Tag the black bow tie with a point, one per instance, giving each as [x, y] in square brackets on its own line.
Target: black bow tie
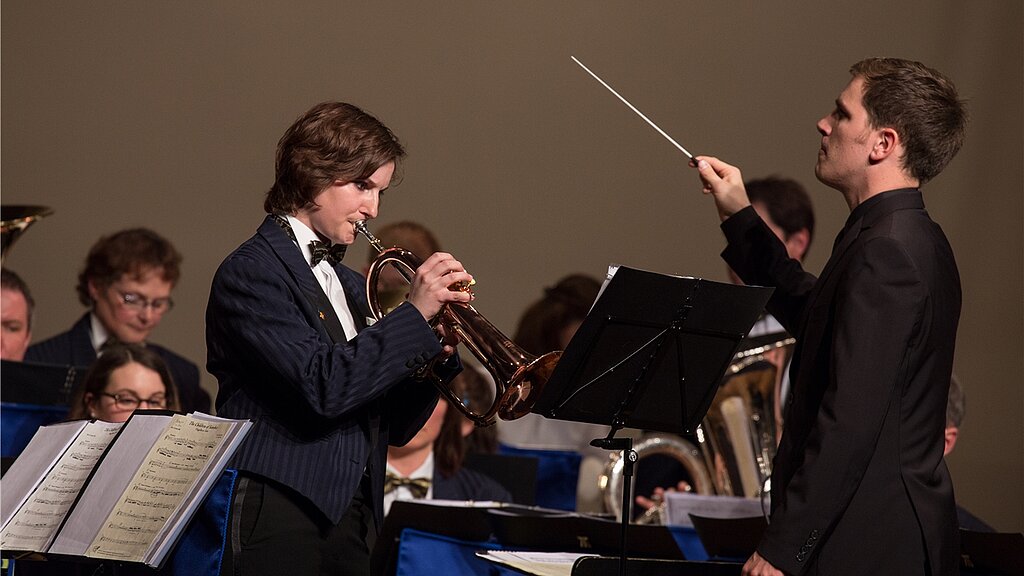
[418, 486]
[333, 253]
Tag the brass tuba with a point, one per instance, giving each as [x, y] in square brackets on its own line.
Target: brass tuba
[518, 376]
[14, 220]
[668, 445]
[740, 431]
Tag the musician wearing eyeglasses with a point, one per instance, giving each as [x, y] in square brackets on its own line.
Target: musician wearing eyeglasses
[126, 377]
[290, 343]
[859, 485]
[126, 283]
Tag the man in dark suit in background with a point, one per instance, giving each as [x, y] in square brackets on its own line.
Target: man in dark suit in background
[859, 484]
[126, 283]
[289, 342]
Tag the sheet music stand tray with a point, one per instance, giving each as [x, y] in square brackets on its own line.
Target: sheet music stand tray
[650, 355]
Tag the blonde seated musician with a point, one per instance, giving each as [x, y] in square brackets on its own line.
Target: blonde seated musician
[430, 465]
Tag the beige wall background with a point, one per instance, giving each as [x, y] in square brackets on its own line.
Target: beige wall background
[166, 115]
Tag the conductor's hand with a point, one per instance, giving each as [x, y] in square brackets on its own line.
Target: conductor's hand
[758, 566]
[724, 183]
[432, 287]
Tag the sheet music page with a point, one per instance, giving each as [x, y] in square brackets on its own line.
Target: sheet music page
[679, 506]
[612, 269]
[108, 482]
[43, 450]
[34, 524]
[537, 563]
[158, 488]
[236, 431]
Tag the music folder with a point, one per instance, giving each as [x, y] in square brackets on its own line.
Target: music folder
[651, 352]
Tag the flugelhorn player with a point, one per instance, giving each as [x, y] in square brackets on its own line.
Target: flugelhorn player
[291, 348]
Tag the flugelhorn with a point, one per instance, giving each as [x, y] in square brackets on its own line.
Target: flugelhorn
[518, 375]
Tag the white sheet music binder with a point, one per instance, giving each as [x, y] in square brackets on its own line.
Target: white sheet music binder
[112, 491]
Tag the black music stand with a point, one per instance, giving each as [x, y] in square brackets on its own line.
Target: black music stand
[650, 355]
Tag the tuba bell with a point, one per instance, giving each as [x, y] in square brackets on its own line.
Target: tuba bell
[740, 432]
[648, 446]
[14, 220]
[518, 375]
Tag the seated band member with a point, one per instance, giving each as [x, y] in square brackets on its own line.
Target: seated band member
[124, 378]
[126, 283]
[859, 485]
[430, 465]
[290, 345]
[549, 324]
[16, 310]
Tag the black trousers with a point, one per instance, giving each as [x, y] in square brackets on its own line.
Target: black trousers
[273, 530]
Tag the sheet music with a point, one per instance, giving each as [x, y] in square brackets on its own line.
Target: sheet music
[537, 563]
[40, 514]
[43, 450]
[109, 482]
[237, 429]
[679, 506]
[158, 488]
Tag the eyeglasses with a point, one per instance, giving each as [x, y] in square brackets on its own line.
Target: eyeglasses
[125, 401]
[139, 302]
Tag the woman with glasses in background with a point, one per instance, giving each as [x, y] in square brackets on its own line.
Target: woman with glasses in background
[124, 378]
[126, 283]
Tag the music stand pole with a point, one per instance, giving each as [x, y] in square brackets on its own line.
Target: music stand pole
[649, 355]
[629, 458]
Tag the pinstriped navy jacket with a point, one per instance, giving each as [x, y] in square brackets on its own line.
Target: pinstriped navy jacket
[317, 406]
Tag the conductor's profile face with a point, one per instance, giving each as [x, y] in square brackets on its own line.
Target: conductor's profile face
[342, 204]
[845, 138]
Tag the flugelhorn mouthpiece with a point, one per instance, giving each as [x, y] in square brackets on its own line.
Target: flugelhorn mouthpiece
[360, 227]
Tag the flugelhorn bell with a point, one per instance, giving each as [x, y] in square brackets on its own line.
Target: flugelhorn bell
[14, 220]
[518, 375]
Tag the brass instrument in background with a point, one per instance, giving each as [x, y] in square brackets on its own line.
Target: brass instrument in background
[14, 220]
[668, 445]
[741, 430]
[518, 375]
[737, 437]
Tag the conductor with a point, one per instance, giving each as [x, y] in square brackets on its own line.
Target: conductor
[859, 483]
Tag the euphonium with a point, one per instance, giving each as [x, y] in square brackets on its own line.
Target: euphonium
[518, 376]
[741, 429]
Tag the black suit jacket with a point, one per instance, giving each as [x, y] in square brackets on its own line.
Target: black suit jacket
[859, 477]
[74, 348]
[324, 413]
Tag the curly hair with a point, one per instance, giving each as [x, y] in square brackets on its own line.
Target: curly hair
[134, 252]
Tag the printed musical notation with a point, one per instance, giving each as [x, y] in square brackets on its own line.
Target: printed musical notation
[34, 524]
[159, 486]
[112, 491]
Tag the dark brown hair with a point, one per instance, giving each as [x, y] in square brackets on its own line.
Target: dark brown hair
[112, 357]
[568, 301]
[787, 202]
[133, 252]
[450, 446]
[922, 106]
[332, 141]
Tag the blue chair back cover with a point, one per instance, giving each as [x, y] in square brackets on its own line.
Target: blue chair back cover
[558, 473]
[20, 422]
[426, 554]
[201, 549]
